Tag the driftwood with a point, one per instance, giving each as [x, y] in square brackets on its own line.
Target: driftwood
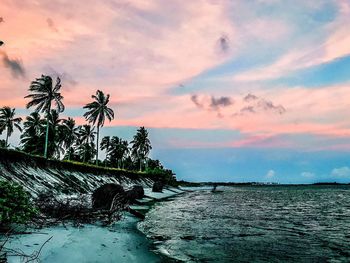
[7, 252]
[108, 202]
[78, 210]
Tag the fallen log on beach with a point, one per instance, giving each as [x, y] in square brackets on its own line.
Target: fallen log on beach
[107, 204]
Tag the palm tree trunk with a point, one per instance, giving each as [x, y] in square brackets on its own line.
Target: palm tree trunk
[98, 131]
[140, 166]
[69, 151]
[47, 132]
[7, 137]
[84, 157]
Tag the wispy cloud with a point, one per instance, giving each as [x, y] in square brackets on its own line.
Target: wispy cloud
[211, 103]
[341, 172]
[220, 102]
[224, 43]
[307, 174]
[270, 174]
[139, 50]
[14, 65]
[335, 45]
[51, 25]
[65, 77]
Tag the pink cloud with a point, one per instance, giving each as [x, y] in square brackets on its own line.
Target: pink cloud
[336, 45]
[138, 50]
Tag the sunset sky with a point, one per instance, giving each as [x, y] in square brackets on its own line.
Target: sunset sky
[230, 90]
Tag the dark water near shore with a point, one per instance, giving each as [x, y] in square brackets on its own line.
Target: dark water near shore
[254, 224]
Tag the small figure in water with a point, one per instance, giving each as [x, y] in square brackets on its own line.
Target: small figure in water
[214, 187]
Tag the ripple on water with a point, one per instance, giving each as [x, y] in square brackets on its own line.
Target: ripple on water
[266, 224]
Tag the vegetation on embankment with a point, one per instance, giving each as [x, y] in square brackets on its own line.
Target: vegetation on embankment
[13, 156]
[9, 159]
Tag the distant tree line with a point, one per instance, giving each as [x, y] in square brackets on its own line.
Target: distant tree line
[45, 133]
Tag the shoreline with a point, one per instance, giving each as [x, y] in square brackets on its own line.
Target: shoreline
[120, 242]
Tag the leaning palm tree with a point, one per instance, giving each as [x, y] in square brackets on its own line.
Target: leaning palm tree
[43, 94]
[141, 145]
[8, 121]
[97, 113]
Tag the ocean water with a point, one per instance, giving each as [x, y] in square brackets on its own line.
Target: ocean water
[254, 224]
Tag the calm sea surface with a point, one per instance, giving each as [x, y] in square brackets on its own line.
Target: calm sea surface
[254, 224]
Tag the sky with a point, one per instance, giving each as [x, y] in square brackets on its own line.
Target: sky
[244, 90]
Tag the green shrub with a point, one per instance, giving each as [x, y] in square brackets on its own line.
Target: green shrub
[15, 204]
[166, 176]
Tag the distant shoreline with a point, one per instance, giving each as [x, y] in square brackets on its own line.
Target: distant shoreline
[198, 184]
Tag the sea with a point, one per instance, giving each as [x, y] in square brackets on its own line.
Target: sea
[253, 224]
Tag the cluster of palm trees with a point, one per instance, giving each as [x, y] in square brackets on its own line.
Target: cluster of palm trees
[119, 154]
[45, 133]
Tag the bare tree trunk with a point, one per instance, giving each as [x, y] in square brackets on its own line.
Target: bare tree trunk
[47, 131]
[98, 131]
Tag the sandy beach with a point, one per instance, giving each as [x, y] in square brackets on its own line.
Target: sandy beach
[120, 242]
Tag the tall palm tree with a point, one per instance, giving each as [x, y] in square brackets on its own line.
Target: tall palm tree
[141, 145]
[86, 137]
[105, 145]
[8, 121]
[97, 113]
[43, 94]
[70, 132]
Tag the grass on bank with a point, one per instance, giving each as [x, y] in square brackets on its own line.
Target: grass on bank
[12, 156]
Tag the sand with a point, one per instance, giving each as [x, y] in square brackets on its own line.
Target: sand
[120, 242]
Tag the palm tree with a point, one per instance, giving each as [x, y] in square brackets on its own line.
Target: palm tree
[32, 137]
[70, 133]
[34, 123]
[8, 121]
[141, 145]
[97, 112]
[114, 151]
[124, 151]
[56, 134]
[105, 144]
[118, 151]
[43, 93]
[86, 137]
